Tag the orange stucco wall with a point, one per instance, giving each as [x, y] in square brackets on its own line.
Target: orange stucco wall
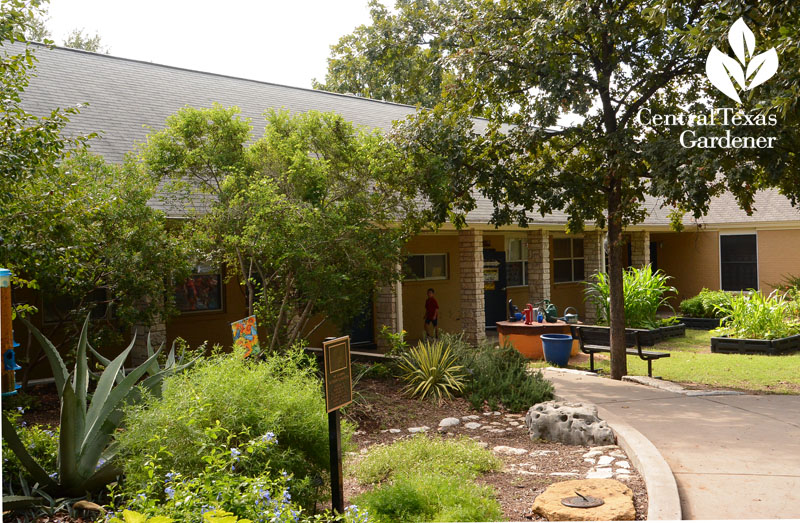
[778, 256]
[691, 258]
[447, 291]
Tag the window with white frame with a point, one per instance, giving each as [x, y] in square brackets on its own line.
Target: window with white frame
[517, 262]
[426, 267]
[567, 260]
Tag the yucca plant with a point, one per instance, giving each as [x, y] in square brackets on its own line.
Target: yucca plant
[644, 293]
[756, 316]
[431, 369]
[85, 452]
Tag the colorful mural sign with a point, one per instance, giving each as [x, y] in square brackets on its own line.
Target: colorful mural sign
[245, 334]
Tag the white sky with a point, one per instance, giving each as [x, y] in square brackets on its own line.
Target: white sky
[284, 42]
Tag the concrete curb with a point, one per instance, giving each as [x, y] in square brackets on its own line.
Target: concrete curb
[663, 501]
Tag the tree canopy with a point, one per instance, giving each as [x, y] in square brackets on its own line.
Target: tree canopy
[525, 65]
[398, 57]
[310, 219]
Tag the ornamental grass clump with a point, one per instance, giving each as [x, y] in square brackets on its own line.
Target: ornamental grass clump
[428, 479]
[644, 292]
[756, 316]
[431, 369]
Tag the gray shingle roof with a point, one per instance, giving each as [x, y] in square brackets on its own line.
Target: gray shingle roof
[129, 98]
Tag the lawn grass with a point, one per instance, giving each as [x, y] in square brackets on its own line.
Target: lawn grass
[691, 362]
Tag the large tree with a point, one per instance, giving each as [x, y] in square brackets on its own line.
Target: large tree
[525, 64]
[309, 219]
[397, 57]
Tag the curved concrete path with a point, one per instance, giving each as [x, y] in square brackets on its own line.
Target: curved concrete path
[733, 457]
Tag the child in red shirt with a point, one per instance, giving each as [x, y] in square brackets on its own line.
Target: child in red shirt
[431, 315]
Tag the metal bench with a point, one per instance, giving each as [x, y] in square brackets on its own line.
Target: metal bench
[593, 340]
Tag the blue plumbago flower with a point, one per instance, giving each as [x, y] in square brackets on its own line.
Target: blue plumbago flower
[23, 424]
[170, 492]
[235, 453]
[295, 515]
[49, 432]
[141, 495]
[100, 463]
[286, 496]
[269, 437]
[206, 508]
[21, 410]
[169, 476]
[54, 475]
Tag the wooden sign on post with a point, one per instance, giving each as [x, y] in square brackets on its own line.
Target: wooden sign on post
[338, 393]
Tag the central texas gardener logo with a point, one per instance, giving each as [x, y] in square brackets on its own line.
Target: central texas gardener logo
[749, 72]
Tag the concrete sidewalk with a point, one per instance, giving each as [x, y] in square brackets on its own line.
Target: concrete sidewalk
[733, 457]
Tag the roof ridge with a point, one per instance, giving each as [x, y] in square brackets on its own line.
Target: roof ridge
[220, 75]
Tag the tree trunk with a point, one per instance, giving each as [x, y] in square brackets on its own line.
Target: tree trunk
[619, 360]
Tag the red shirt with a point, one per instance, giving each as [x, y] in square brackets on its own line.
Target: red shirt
[431, 305]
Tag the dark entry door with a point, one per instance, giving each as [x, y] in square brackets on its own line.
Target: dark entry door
[362, 333]
[494, 287]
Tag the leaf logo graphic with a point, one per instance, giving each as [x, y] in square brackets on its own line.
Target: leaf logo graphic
[749, 71]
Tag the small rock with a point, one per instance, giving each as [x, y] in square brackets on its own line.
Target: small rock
[494, 423]
[472, 425]
[384, 431]
[449, 422]
[471, 417]
[600, 473]
[605, 448]
[512, 451]
[623, 464]
[604, 460]
[623, 477]
[497, 431]
[88, 505]
[487, 427]
[592, 454]
[395, 431]
[543, 452]
[514, 423]
[483, 444]
[487, 413]
[617, 454]
[564, 474]
[359, 433]
[589, 460]
[497, 413]
[416, 430]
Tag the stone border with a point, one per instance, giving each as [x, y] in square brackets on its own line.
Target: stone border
[663, 502]
[676, 388]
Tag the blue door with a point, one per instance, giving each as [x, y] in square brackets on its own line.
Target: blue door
[494, 287]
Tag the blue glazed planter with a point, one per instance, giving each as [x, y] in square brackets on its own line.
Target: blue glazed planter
[557, 348]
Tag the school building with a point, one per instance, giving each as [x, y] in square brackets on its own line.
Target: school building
[474, 271]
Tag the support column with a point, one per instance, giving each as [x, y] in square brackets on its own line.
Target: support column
[593, 263]
[386, 310]
[470, 261]
[640, 248]
[158, 335]
[539, 275]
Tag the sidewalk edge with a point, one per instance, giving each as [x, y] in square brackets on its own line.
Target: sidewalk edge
[663, 502]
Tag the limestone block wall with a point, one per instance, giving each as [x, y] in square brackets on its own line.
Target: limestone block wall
[593, 258]
[470, 260]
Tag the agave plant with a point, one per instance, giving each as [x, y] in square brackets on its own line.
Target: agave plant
[431, 369]
[85, 453]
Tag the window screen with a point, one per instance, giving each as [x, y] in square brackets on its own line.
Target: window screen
[738, 262]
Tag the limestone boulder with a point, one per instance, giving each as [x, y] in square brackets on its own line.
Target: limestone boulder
[617, 497]
[568, 423]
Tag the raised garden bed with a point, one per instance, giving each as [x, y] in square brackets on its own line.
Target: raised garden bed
[705, 324]
[727, 345]
[649, 337]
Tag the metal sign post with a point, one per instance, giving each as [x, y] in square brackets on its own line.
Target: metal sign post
[338, 393]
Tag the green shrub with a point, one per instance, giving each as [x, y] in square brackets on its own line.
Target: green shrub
[756, 316]
[499, 376]
[430, 497]
[431, 369]
[461, 457]
[42, 445]
[707, 304]
[245, 398]
[428, 479]
[644, 293]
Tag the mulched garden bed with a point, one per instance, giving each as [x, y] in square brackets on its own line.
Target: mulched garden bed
[382, 407]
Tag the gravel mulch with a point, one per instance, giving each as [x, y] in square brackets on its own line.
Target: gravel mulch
[382, 408]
